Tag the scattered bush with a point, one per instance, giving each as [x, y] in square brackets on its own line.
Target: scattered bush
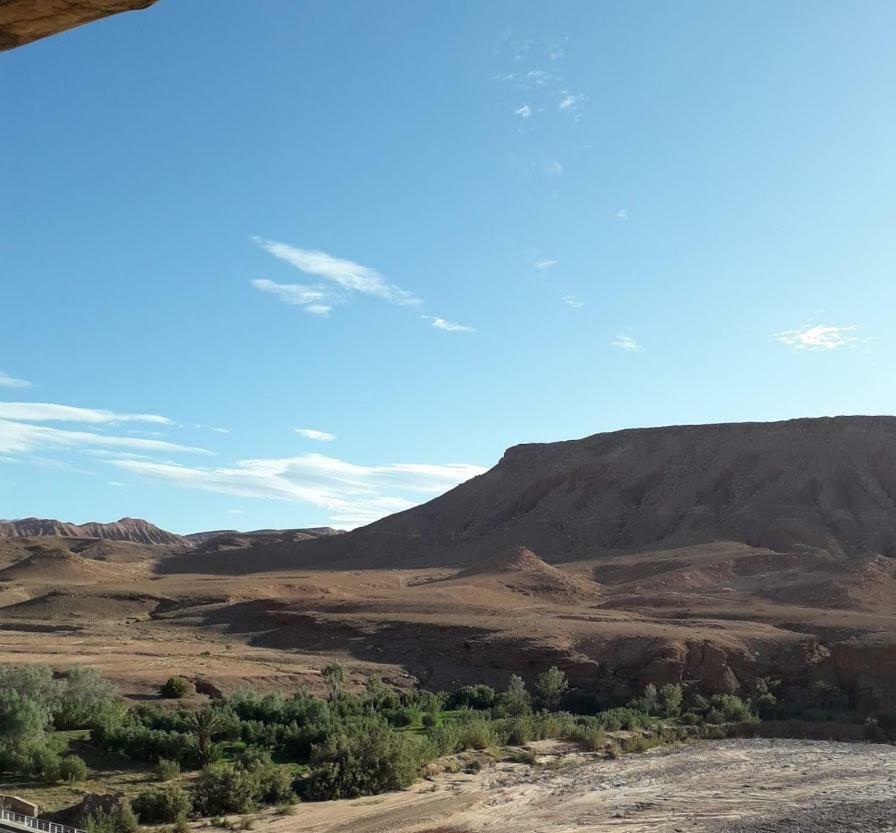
[118, 818]
[176, 688]
[167, 770]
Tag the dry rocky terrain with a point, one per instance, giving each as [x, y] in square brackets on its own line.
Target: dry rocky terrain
[711, 555]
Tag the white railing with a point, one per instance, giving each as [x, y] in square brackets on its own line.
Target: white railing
[31, 823]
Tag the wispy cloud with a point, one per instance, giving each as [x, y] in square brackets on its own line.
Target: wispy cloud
[7, 381]
[818, 337]
[21, 431]
[48, 412]
[447, 326]
[627, 343]
[621, 214]
[22, 437]
[350, 494]
[313, 299]
[313, 434]
[348, 275]
[545, 263]
[524, 112]
[538, 77]
[555, 168]
[572, 301]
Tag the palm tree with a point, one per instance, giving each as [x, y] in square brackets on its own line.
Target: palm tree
[205, 724]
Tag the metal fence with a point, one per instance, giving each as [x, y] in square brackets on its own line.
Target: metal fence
[20, 822]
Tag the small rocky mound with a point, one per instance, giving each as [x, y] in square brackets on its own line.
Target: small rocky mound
[522, 570]
[55, 565]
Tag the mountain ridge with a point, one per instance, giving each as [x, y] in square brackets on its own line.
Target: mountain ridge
[825, 483]
[135, 530]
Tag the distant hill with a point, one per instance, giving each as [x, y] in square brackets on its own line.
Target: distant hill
[823, 484]
[125, 529]
[197, 539]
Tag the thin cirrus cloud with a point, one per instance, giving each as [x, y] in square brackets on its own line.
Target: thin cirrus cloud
[50, 412]
[343, 277]
[818, 337]
[313, 299]
[350, 494]
[314, 434]
[447, 326]
[572, 301]
[22, 431]
[524, 112]
[626, 343]
[345, 274]
[27, 437]
[545, 263]
[7, 381]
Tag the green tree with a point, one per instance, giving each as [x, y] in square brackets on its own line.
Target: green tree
[516, 701]
[671, 697]
[650, 700]
[551, 686]
[84, 698]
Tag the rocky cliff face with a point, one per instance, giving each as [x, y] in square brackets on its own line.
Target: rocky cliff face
[24, 21]
[125, 529]
[826, 484]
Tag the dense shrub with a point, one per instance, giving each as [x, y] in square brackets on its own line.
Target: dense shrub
[478, 733]
[240, 787]
[162, 806]
[727, 708]
[472, 697]
[367, 760]
[73, 769]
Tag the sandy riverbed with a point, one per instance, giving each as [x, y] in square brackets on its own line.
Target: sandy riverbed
[749, 786]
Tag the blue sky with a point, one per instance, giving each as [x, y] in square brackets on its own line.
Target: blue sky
[427, 232]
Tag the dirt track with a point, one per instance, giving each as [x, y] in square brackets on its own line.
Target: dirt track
[755, 786]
